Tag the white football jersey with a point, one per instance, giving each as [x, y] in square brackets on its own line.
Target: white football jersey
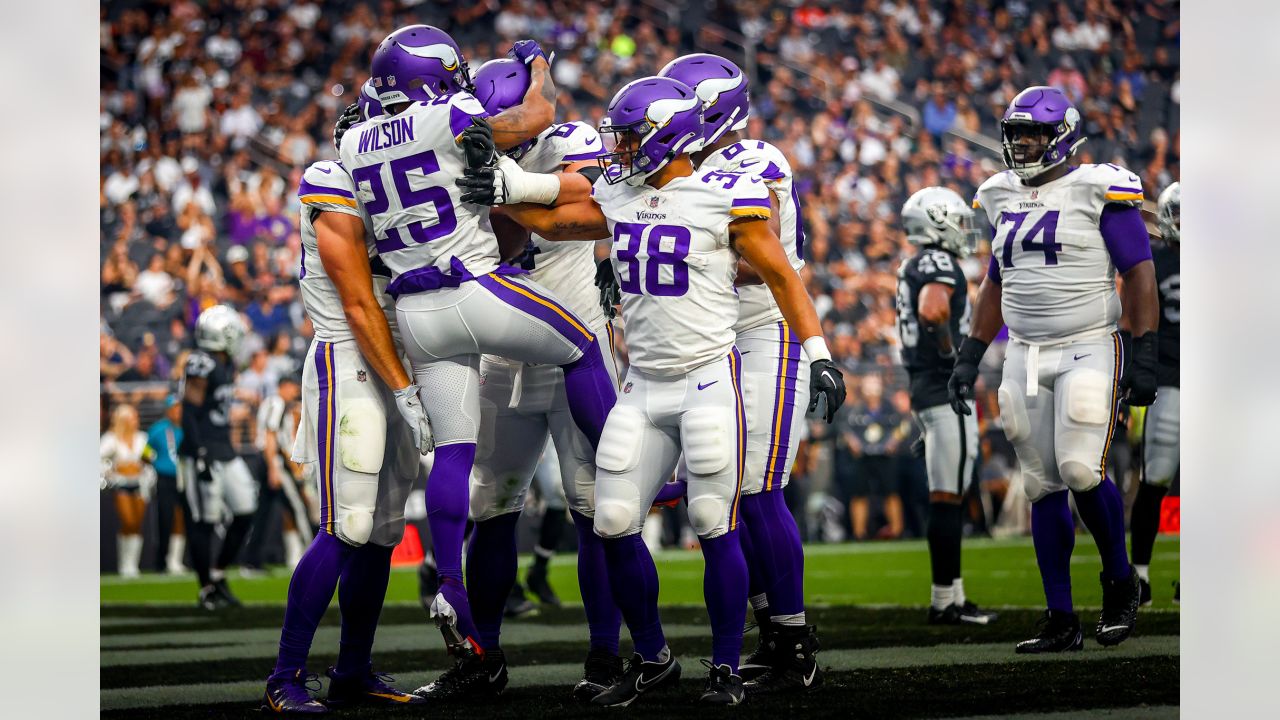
[326, 187]
[404, 168]
[1057, 277]
[675, 265]
[756, 306]
[567, 269]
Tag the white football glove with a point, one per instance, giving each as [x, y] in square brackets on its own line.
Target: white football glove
[410, 408]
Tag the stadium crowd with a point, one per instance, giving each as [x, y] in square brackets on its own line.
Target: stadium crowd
[210, 111]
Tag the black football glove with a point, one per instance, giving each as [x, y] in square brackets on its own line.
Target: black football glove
[1138, 384]
[479, 185]
[350, 116]
[610, 292]
[826, 381]
[965, 374]
[477, 143]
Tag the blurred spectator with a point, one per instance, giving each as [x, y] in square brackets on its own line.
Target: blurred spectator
[869, 442]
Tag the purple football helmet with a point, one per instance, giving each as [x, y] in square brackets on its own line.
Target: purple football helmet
[1047, 118]
[418, 63]
[720, 85]
[502, 84]
[653, 121]
[370, 105]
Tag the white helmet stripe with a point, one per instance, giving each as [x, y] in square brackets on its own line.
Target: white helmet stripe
[445, 54]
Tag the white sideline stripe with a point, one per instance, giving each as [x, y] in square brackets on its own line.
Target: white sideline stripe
[1152, 712]
[265, 642]
[565, 674]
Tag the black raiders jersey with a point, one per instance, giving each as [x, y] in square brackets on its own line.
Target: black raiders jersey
[211, 421]
[1168, 285]
[929, 370]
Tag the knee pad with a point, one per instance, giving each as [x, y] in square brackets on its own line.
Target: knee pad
[613, 518]
[707, 440]
[707, 513]
[1088, 398]
[354, 502]
[619, 449]
[1013, 412]
[354, 527]
[362, 430]
[1079, 476]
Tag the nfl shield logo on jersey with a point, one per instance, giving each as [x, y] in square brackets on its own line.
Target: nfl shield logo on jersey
[653, 201]
[626, 388]
[361, 376]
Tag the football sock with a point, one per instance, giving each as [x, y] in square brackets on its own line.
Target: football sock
[941, 596]
[1053, 532]
[590, 392]
[1144, 523]
[549, 534]
[491, 572]
[1102, 510]
[310, 591]
[361, 591]
[447, 507]
[724, 586]
[775, 550]
[604, 620]
[633, 580]
[1144, 571]
[177, 548]
[756, 587]
[231, 542]
[944, 542]
[957, 591]
[200, 537]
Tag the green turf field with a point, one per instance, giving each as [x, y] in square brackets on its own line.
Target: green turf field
[163, 658]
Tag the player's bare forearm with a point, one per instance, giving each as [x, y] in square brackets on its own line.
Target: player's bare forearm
[340, 240]
[574, 186]
[533, 115]
[935, 315]
[987, 316]
[1140, 300]
[193, 390]
[757, 244]
[576, 221]
[512, 239]
[747, 275]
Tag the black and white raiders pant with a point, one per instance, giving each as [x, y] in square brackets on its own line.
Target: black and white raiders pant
[950, 447]
[1058, 404]
[227, 487]
[1160, 434]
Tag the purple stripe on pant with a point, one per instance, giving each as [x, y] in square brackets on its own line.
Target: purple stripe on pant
[780, 437]
[324, 445]
[541, 307]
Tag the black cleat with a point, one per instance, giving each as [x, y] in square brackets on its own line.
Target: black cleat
[291, 695]
[368, 688]
[950, 615]
[973, 615]
[473, 676]
[539, 586]
[224, 591]
[723, 686]
[1059, 632]
[761, 659]
[428, 582]
[795, 668]
[517, 604]
[638, 678]
[1144, 595]
[210, 599]
[601, 670]
[1119, 609]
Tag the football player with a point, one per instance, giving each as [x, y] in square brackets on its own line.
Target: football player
[933, 313]
[216, 479]
[1160, 428]
[455, 301]
[522, 405]
[677, 235]
[365, 459]
[1062, 232]
[775, 381]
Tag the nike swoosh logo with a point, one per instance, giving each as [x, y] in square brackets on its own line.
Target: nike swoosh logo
[641, 685]
[812, 674]
[704, 387]
[494, 677]
[1109, 628]
[1077, 357]
[746, 163]
[326, 171]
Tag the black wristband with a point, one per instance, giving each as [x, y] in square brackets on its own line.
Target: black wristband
[1145, 346]
[591, 172]
[971, 351]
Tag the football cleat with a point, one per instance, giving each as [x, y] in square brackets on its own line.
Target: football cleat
[795, 668]
[224, 590]
[1144, 594]
[474, 676]
[517, 604]
[973, 615]
[539, 586]
[1059, 632]
[760, 659]
[210, 599]
[1119, 609]
[949, 615]
[291, 695]
[601, 670]
[723, 686]
[638, 678]
[368, 688]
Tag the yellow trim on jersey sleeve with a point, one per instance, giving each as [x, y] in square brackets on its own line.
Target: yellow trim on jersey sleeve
[760, 212]
[1122, 197]
[977, 205]
[329, 199]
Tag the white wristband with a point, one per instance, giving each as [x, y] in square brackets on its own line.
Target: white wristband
[520, 186]
[816, 348]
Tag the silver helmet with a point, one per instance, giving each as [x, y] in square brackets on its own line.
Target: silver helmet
[939, 216]
[1169, 213]
[219, 329]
